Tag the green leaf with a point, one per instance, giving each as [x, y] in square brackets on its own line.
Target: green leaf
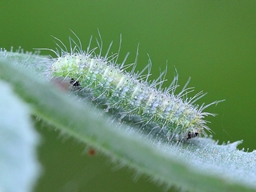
[200, 165]
[18, 141]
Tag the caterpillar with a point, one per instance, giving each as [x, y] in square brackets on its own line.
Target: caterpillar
[129, 96]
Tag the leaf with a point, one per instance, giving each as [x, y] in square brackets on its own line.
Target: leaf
[18, 141]
[200, 165]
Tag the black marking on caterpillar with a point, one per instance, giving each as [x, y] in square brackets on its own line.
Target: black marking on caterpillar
[74, 82]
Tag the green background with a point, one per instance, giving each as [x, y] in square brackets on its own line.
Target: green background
[213, 42]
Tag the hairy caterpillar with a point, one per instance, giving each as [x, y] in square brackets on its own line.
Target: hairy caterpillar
[127, 95]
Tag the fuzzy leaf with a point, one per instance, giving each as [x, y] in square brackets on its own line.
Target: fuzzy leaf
[18, 141]
[200, 165]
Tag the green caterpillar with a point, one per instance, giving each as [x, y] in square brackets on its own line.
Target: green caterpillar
[130, 98]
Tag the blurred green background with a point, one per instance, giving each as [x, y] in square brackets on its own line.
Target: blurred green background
[213, 42]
